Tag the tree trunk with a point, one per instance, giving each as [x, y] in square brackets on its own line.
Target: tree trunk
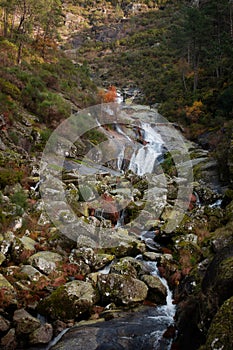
[5, 23]
[231, 22]
[20, 51]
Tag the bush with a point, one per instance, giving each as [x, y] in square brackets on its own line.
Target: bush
[9, 89]
[9, 177]
[19, 198]
[52, 107]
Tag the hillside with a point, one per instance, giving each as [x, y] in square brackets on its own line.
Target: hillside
[178, 54]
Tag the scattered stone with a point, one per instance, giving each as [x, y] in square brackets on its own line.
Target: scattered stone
[103, 260]
[69, 301]
[33, 274]
[2, 258]
[9, 342]
[4, 324]
[22, 248]
[5, 284]
[157, 291]
[25, 323]
[41, 335]
[122, 290]
[46, 262]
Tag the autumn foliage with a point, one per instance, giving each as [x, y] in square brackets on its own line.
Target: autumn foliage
[195, 111]
[108, 96]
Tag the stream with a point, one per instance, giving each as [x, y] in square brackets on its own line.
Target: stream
[139, 149]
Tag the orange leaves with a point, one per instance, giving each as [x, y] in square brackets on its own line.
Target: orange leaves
[108, 96]
[195, 111]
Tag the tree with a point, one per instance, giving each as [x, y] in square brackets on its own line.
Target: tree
[50, 20]
[109, 96]
[24, 18]
[8, 16]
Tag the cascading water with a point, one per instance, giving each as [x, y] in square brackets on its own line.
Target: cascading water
[161, 316]
[144, 156]
[142, 159]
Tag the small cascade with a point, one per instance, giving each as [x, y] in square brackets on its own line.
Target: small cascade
[148, 238]
[143, 160]
[99, 213]
[120, 158]
[121, 132]
[169, 308]
[121, 220]
[146, 156]
[163, 314]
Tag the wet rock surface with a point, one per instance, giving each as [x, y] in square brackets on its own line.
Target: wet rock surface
[134, 330]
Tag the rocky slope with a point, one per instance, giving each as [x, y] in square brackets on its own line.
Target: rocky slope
[50, 282]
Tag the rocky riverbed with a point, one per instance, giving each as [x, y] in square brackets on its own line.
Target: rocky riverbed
[99, 284]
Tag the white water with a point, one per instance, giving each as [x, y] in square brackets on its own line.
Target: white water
[121, 132]
[143, 160]
[120, 158]
[163, 314]
[169, 309]
[144, 157]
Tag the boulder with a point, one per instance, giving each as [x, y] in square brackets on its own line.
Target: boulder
[8, 342]
[69, 301]
[219, 335]
[218, 280]
[46, 262]
[133, 329]
[120, 243]
[121, 289]
[157, 292]
[24, 322]
[129, 266]
[7, 292]
[32, 274]
[103, 260]
[22, 248]
[41, 335]
[4, 324]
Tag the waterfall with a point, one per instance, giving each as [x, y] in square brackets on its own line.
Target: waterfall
[143, 160]
[145, 156]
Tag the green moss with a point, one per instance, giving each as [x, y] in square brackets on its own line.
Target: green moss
[58, 309]
[220, 334]
[226, 268]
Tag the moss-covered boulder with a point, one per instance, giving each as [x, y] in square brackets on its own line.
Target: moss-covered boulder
[128, 266]
[222, 237]
[218, 280]
[69, 301]
[7, 292]
[220, 333]
[120, 243]
[124, 268]
[121, 289]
